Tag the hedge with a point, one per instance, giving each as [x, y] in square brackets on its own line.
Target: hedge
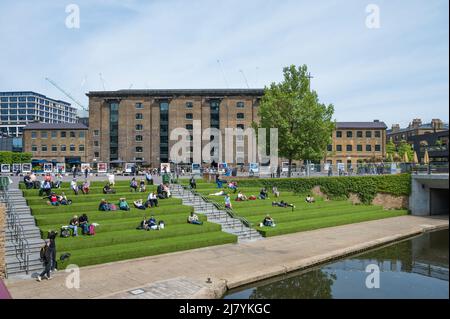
[366, 187]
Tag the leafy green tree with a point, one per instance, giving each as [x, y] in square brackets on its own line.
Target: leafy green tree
[304, 125]
[405, 147]
[391, 149]
[6, 157]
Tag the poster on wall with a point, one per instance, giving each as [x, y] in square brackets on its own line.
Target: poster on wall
[26, 168]
[165, 167]
[102, 167]
[48, 167]
[254, 168]
[222, 167]
[196, 168]
[285, 167]
[61, 168]
[129, 166]
[5, 168]
[16, 167]
[84, 166]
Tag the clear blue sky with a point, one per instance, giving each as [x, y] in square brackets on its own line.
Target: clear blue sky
[394, 73]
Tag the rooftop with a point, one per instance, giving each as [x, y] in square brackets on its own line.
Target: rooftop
[178, 92]
[426, 126]
[362, 125]
[55, 126]
[27, 93]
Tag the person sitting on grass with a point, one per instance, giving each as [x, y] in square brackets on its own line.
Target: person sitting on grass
[162, 194]
[108, 190]
[193, 219]
[166, 189]
[46, 187]
[112, 179]
[63, 199]
[309, 199]
[52, 199]
[241, 197]
[263, 194]
[151, 224]
[73, 224]
[233, 186]
[27, 181]
[104, 206]
[139, 204]
[142, 187]
[227, 201]
[123, 205]
[74, 186]
[152, 200]
[143, 224]
[58, 181]
[221, 193]
[283, 204]
[133, 185]
[83, 222]
[268, 222]
[275, 191]
[85, 187]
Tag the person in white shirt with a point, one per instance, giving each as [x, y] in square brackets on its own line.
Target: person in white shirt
[152, 200]
[111, 179]
[74, 186]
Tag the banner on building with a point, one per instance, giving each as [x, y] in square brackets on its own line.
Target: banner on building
[102, 167]
[196, 168]
[5, 168]
[84, 166]
[16, 167]
[254, 168]
[61, 168]
[48, 168]
[165, 168]
[222, 167]
[26, 168]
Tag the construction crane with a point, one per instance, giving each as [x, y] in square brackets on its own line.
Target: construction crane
[67, 94]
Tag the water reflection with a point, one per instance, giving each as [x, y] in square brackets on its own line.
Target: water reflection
[415, 268]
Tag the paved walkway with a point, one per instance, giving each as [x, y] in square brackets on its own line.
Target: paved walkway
[185, 274]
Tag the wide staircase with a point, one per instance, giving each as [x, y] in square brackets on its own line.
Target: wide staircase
[22, 236]
[216, 213]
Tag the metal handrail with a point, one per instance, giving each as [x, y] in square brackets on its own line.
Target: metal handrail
[21, 244]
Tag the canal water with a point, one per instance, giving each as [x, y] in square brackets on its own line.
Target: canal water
[413, 268]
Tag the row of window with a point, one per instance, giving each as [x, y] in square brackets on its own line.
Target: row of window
[359, 148]
[190, 105]
[54, 134]
[359, 134]
[54, 148]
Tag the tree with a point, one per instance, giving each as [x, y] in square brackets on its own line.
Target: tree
[390, 149]
[405, 147]
[304, 125]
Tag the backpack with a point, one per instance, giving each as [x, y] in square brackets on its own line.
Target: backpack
[91, 230]
[42, 253]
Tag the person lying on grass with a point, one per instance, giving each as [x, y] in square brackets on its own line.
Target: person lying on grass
[268, 221]
[221, 193]
[193, 219]
[283, 204]
[108, 190]
[85, 187]
[142, 187]
[241, 197]
[123, 205]
[139, 204]
[309, 199]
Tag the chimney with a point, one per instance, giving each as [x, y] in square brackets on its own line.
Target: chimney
[376, 121]
[416, 123]
[395, 127]
[437, 124]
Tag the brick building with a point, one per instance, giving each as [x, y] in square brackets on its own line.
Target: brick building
[56, 142]
[134, 125]
[416, 127]
[357, 142]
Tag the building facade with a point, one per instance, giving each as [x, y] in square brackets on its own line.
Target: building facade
[17, 109]
[134, 125]
[357, 142]
[436, 144]
[416, 127]
[57, 143]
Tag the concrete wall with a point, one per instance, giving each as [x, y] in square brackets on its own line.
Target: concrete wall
[424, 194]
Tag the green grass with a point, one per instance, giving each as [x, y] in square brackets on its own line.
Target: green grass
[304, 217]
[116, 236]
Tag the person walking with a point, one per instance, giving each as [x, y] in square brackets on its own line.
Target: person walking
[86, 172]
[46, 258]
[74, 171]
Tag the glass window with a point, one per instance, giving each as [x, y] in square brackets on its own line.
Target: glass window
[44, 134]
[54, 134]
[139, 138]
[139, 116]
[139, 127]
[139, 105]
[241, 126]
[359, 148]
[81, 134]
[63, 134]
[189, 116]
[44, 148]
[240, 104]
[139, 149]
[349, 134]
[330, 148]
[377, 134]
[54, 148]
[33, 134]
[96, 154]
[368, 148]
[4, 105]
[349, 148]
[13, 111]
[189, 127]
[339, 148]
[72, 134]
[81, 148]
[240, 116]
[4, 99]
[31, 99]
[13, 99]
[377, 148]
[359, 134]
[22, 105]
[33, 148]
[96, 143]
[338, 134]
[369, 134]
[72, 147]
[96, 132]
[189, 105]
[22, 98]
[63, 148]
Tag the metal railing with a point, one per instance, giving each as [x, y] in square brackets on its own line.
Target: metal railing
[194, 196]
[21, 245]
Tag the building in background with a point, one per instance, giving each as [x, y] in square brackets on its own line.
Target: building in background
[134, 125]
[435, 143]
[83, 120]
[57, 142]
[357, 142]
[11, 144]
[17, 109]
[416, 127]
